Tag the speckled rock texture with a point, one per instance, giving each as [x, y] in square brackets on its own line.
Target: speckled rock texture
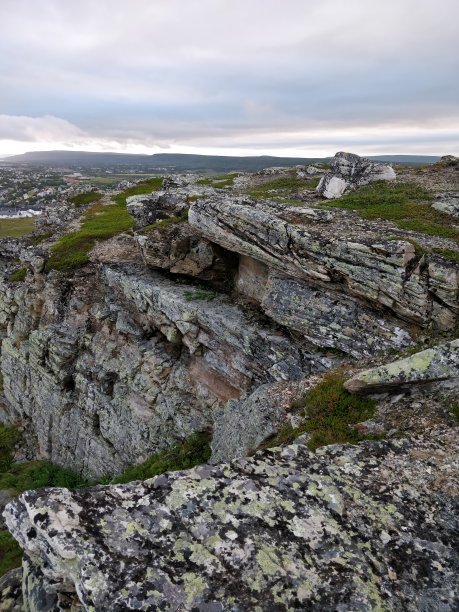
[348, 170]
[435, 366]
[368, 527]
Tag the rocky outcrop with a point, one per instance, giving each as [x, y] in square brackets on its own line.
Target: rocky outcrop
[448, 203]
[148, 209]
[181, 249]
[437, 366]
[336, 248]
[348, 170]
[374, 523]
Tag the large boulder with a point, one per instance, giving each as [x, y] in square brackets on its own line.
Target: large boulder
[438, 365]
[368, 527]
[350, 170]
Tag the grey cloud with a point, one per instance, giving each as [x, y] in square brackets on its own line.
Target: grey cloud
[199, 70]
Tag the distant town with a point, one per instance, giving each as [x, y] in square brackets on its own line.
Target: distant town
[26, 190]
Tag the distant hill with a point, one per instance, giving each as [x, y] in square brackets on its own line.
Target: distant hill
[180, 162]
[159, 161]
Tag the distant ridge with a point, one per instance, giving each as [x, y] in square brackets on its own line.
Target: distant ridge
[181, 162]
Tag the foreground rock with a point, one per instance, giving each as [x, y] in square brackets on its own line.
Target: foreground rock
[371, 527]
[437, 366]
[350, 170]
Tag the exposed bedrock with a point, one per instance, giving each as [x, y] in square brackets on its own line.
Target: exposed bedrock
[348, 170]
[339, 251]
[368, 527]
[112, 366]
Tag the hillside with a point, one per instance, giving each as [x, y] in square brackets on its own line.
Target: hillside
[182, 162]
[224, 392]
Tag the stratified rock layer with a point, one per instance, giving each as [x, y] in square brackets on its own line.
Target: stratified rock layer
[372, 527]
[435, 366]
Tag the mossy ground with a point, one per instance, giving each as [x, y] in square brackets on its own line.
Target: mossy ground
[83, 199]
[219, 182]
[407, 204]
[330, 413]
[18, 276]
[287, 185]
[164, 222]
[100, 222]
[200, 294]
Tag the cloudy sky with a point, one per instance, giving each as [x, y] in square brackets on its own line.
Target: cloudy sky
[285, 77]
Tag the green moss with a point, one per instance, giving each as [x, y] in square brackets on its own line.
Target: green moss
[9, 437]
[200, 294]
[83, 199]
[144, 187]
[193, 451]
[39, 238]
[18, 276]
[448, 254]
[408, 204]
[168, 221]
[290, 184]
[219, 182]
[330, 415]
[98, 223]
[10, 552]
[454, 410]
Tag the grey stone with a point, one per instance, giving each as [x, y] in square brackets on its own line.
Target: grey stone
[368, 527]
[434, 365]
[350, 170]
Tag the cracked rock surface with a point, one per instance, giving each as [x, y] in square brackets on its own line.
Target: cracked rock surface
[362, 527]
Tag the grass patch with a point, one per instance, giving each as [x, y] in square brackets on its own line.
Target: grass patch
[448, 254]
[408, 204]
[142, 188]
[219, 182]
[168, 221]
[16, 228]
[200, 294]
[10, 552]
[83, 199]
[193, 451]
[39, 238]
[18, 276]
[330, 413]
[286, 183]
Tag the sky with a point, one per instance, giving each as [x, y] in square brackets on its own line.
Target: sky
[230, 77]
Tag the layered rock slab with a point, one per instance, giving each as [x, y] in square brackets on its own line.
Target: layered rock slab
[362, 527]
[437, 366]
[336, 248]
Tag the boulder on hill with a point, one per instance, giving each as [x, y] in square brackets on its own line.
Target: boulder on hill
[350, 170]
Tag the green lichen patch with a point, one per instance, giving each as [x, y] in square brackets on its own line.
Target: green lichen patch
[286, 185]
[219, 182]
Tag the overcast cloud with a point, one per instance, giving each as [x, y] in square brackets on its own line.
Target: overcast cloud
[296, 77]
